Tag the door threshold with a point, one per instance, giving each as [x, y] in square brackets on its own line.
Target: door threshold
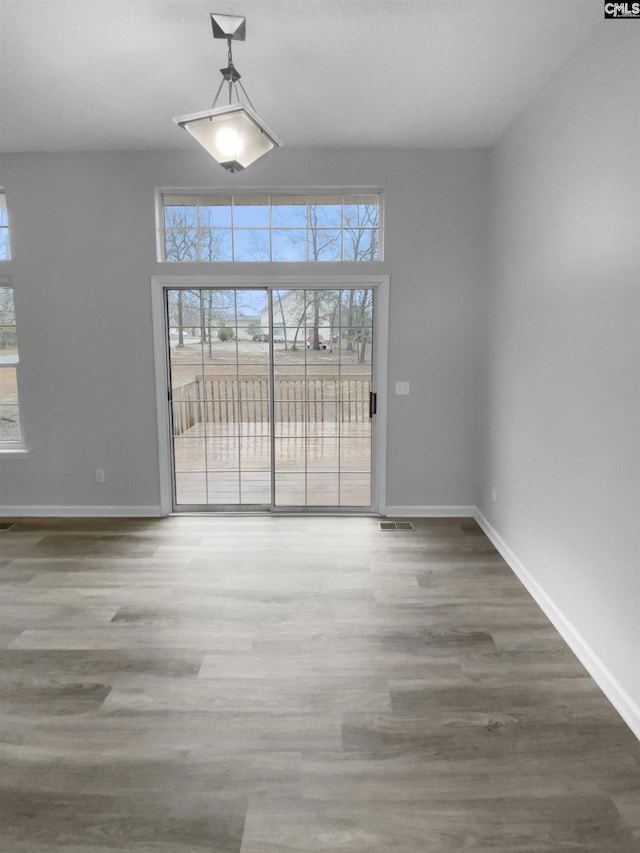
[278, 514]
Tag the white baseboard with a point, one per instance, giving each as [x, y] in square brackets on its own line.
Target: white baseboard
[155, 511]
[81, 511]
[430, 511]
[612, 689]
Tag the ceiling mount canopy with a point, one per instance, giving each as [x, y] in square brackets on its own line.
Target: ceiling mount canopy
[233, 134]
[229, 27]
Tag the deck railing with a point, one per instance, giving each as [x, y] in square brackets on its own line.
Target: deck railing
[231, 401]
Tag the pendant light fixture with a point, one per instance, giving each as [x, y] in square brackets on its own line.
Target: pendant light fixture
[233, 134]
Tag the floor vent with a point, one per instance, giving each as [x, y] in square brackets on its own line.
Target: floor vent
[396, 525]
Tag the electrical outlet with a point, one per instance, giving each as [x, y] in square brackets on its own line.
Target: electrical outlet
[99, 475]
[402, 388]
[494, 494]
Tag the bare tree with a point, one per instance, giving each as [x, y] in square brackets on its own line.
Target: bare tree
[188, 236]
[298, 306]
[184, 312]
[359, 311]
[218, 308]
[7, 318]
[280, 294]
[323, 242]
[361, 230]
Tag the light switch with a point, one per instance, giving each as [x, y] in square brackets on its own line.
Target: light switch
[402, 388]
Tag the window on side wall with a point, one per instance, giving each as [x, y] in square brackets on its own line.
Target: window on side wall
[201, 227]
[5, 247]
[10, 427]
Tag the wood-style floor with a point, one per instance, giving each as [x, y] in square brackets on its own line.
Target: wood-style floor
[265, 685]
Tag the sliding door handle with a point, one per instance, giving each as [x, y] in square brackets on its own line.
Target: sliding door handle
[373, 403]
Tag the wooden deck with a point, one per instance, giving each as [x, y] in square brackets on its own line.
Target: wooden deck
[316, 464]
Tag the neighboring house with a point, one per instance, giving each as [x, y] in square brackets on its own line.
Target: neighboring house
[294, 317]
[245, 325]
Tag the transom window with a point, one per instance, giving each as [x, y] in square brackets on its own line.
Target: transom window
[5, 250]
[343, 227]
[10, 429]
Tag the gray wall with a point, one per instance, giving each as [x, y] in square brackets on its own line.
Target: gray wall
[561, 417]
[83, 243]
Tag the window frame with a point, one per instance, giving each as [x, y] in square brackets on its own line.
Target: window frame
[273, 198]
[13, 446]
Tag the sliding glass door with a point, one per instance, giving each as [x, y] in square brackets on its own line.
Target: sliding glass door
[271, 397]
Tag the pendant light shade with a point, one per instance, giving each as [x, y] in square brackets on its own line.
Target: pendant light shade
[234, 135]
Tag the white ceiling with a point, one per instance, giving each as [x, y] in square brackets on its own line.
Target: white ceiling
[111, 74]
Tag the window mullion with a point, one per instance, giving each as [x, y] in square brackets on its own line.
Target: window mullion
[233, 228]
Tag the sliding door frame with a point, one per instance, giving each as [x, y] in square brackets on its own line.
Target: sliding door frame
[378, 283]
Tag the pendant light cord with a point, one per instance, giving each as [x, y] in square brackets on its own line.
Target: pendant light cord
[230, 68]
